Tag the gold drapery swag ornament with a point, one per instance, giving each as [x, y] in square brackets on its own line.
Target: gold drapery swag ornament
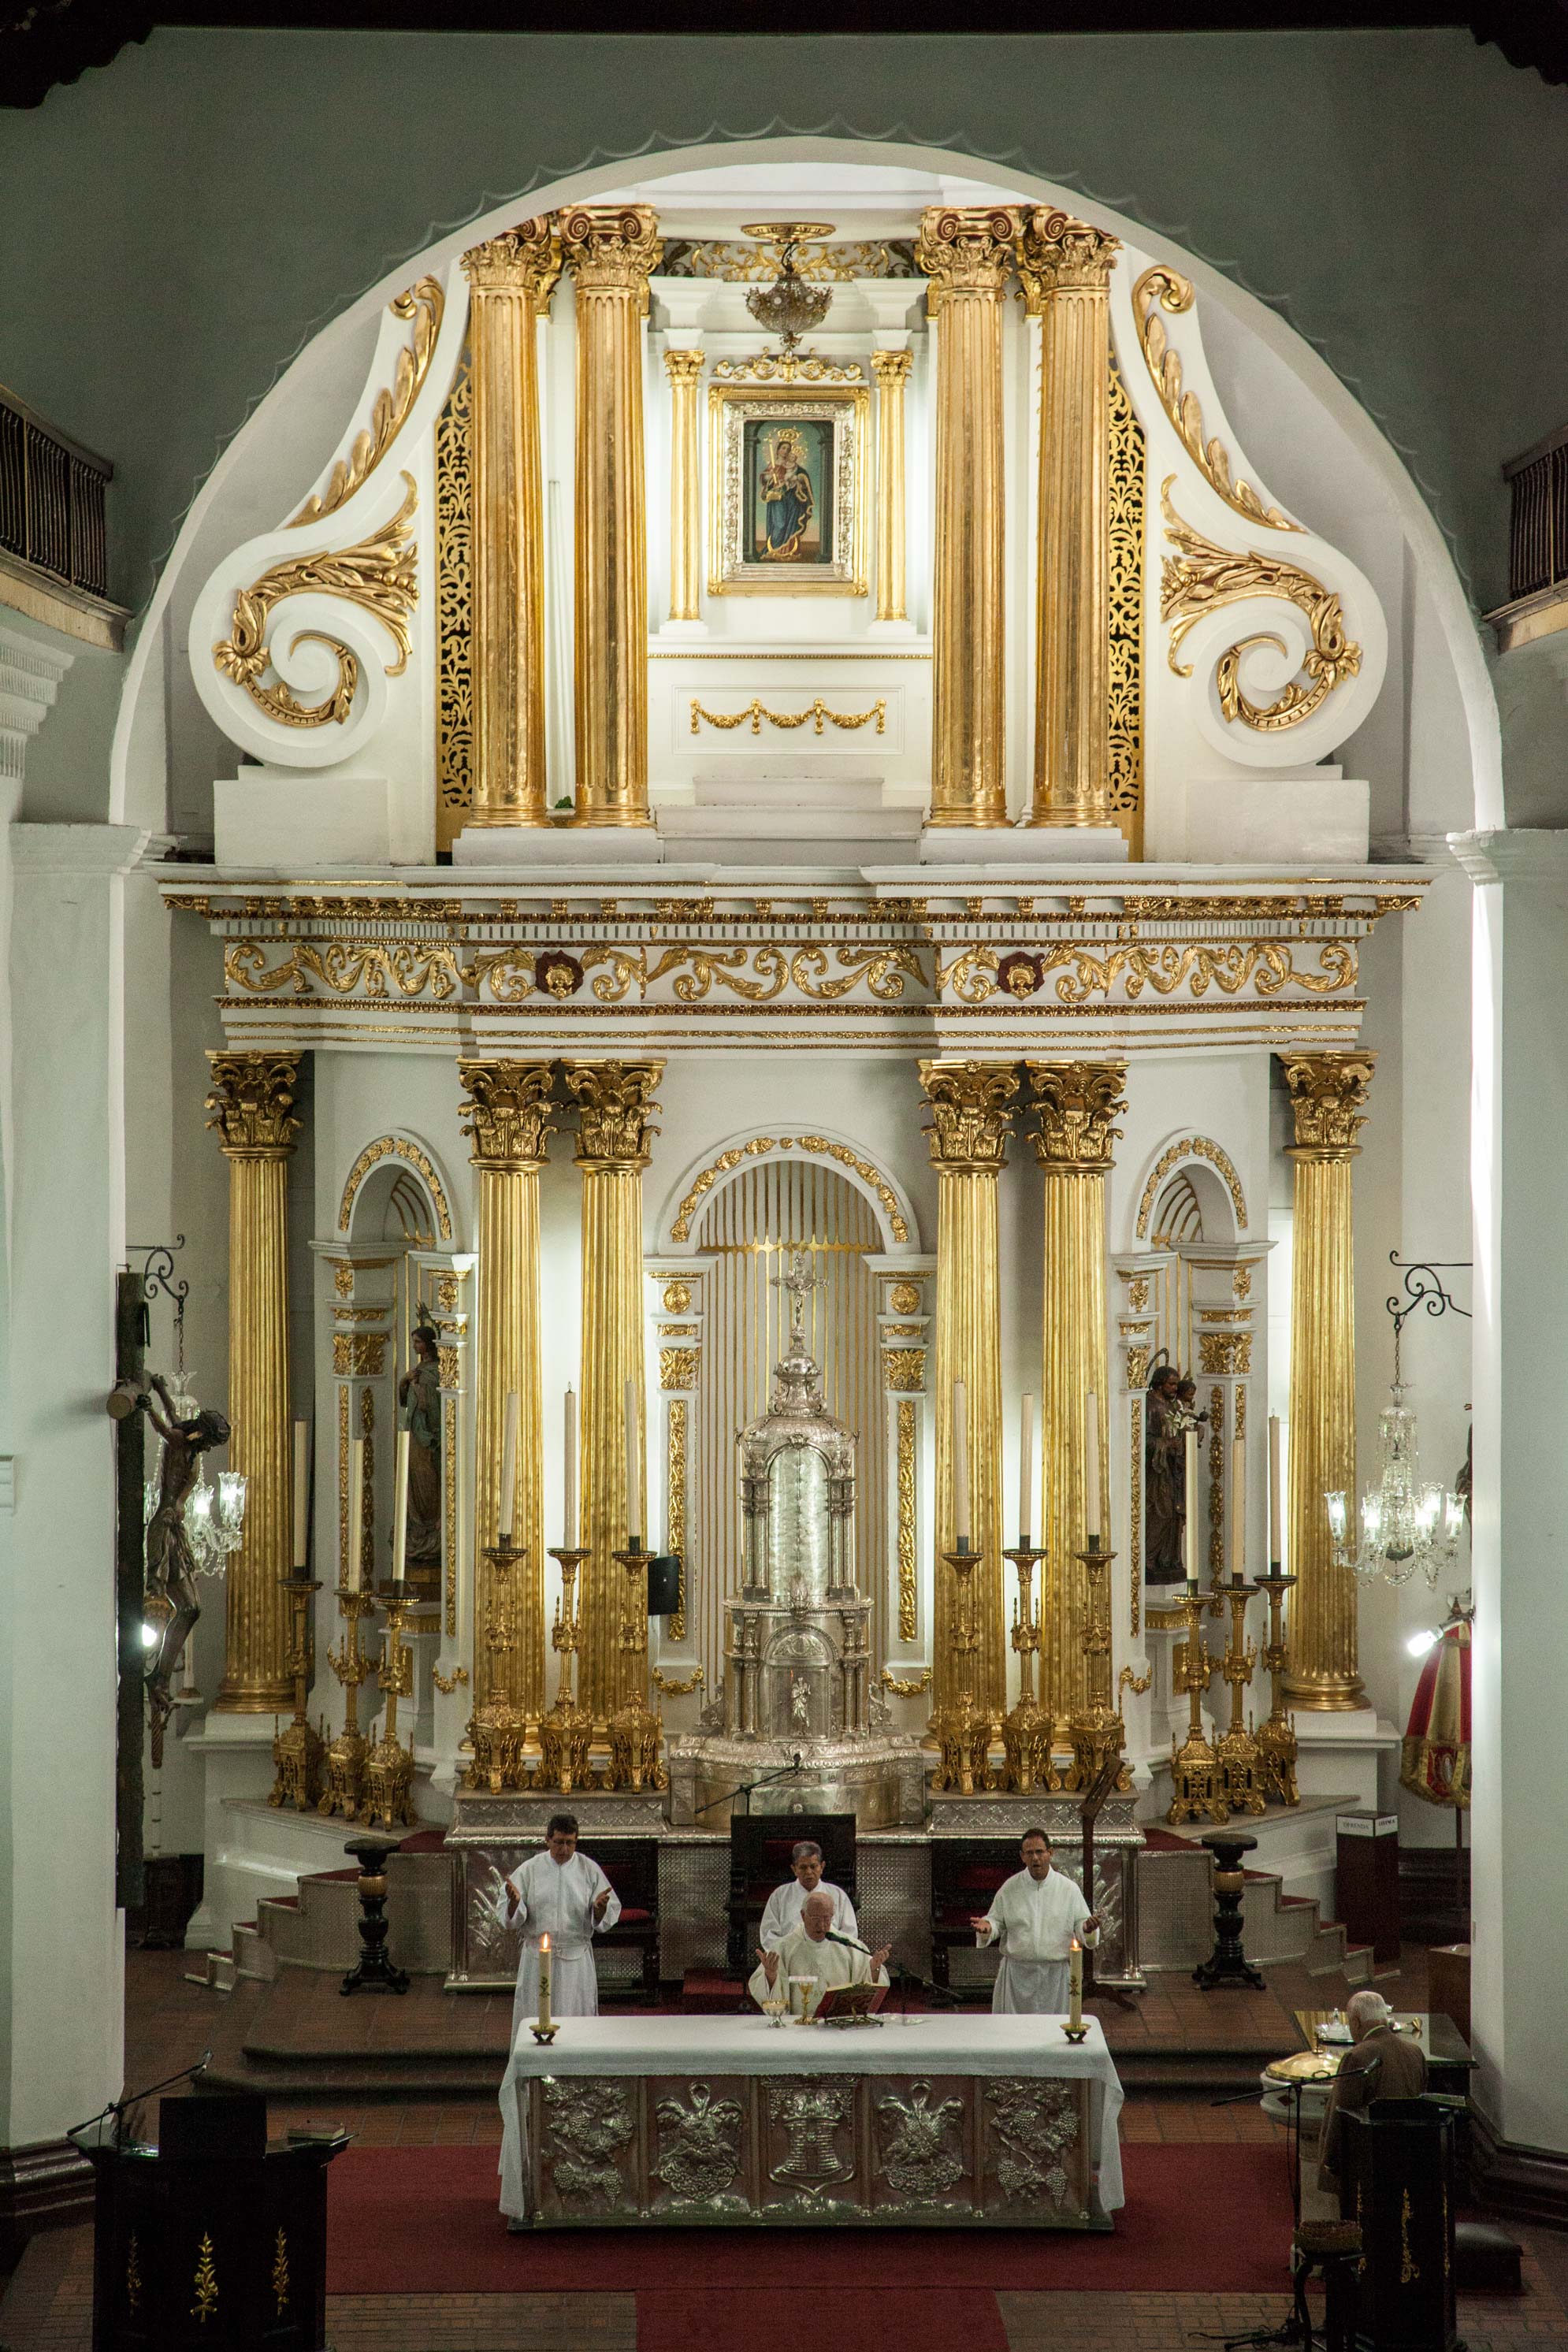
[507, 1118]
[684, 369]
[970, 1105]
[1066, 269]
[966, 251]
[252, 1105]
[512, 277]
[610, 250]
[1327, 1094]
[1075, 1107]
[615, 1130]
[892, 370]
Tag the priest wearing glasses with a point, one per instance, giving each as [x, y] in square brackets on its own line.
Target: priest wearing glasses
[1034, 1921]
[781, 1914]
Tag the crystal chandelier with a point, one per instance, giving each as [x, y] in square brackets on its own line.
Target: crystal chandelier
[1405, 1526]
[214, 1516]
[789, 308]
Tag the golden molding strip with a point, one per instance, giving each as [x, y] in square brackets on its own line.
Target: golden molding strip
[424, 303]
[761, 1144]
[1192, 1147]
[816, 710]
[1166, 289]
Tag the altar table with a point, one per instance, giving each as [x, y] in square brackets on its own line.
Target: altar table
[962, 2122]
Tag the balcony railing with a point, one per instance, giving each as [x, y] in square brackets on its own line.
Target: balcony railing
[1538, 539]
[54, 550]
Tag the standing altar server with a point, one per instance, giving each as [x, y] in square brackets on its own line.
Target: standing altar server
[563, 1894]
[780, 1914]
[1036, 1915]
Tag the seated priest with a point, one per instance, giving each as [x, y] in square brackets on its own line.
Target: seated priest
[780, 1914]
[1380, 2063]
[560, 1894]
[1033, 1920]
[818, 1950]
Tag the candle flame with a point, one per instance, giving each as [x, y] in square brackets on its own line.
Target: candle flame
[544, 1943]
[1077, 1947]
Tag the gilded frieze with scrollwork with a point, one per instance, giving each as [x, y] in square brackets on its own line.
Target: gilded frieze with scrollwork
[1266, 967]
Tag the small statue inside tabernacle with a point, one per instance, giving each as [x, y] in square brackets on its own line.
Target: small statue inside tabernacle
[1169, 1414]
[171, 1568]
[419, 1412]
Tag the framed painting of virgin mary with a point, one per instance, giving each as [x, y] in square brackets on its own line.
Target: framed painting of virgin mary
[787, 490]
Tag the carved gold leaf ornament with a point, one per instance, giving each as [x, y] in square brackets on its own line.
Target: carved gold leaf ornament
[378, 576]
[1192, 1147]
[757, 1146]
[907, 1685]
[424, 304]
[669, 1687]
[815, 711]
[1203, 578]
[906, 1500]
[1163, 289]
[394, 1147]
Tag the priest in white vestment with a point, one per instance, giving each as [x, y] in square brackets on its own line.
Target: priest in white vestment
[780, 1914]
[563, 1894]
[818, 1951]
[1032, 1921]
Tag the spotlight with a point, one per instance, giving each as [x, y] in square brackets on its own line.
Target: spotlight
[1419, 1643]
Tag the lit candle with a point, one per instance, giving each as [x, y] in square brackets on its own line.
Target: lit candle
[545, 2020]
[509, 1465]
[1276, 1549]
[400, 1508]
[1026, 1475]
[1092, 1531]
[571, 1461]
[1190, 1508]
[301, 1496]
[959, 1468]
[1238, 1507]
[634, 1471]
[1075, 1985]
[356, 1513]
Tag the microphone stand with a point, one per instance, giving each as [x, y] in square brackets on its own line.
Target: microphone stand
[119, 2109]
[744, 1788]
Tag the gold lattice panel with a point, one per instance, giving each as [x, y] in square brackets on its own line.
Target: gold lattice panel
[454, 610]
[1127, 509]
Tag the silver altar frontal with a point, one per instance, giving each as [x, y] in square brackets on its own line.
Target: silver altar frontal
[976, 2122]
[798, 1712]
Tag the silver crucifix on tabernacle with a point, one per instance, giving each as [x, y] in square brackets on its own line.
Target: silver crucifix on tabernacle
[799, 1282]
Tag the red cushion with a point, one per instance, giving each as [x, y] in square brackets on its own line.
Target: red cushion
[630, 1916]
[985, 1876]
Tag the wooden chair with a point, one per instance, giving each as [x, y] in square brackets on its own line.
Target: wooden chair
[631, 1865]
[760, 1848]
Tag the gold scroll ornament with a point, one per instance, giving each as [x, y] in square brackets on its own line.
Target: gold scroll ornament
[1162, 288]
[424, 303]
[816, 710]
[1202, 577]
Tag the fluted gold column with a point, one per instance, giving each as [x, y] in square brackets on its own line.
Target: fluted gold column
[610, 249]
[1066, 269]
[684, 369]
[252, 1103]
[507, 1118]
[512, 277]
[970, 1103]
[892, 370]
[967, 251]
[1076, 1104]
[1327, 1092]
[614, 1127]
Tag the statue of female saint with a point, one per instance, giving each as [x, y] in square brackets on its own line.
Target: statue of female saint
[419, 1412]
[171, 1568]
[787, 499]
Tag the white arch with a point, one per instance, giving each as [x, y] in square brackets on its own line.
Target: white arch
[689, 1198]
[400, 1144]
[1183, 1149]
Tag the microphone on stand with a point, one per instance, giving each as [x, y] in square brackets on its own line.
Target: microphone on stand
[854, 1943]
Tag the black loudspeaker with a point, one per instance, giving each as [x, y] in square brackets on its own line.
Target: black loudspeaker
[211, 2128]
[664, 1584]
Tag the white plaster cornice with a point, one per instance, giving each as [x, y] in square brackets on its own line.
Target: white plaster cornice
[106, 849]
[1514, 854]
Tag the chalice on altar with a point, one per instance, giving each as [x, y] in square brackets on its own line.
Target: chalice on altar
[801, 1989]
[776, 2007]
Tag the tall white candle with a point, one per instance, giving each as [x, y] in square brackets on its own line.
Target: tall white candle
[1190, 1509]
[301, 1493]
[1275, 1512]
[1091, 1510]
[1026, 1474]
[545, 2020]
[356, 1512]
[634, 1467]
[1239, 1507]
[509, 1464]
[571, 1471]
[400, 1508]
[1075, 1985]
[959, 1468]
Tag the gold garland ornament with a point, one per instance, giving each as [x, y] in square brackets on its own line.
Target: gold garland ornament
[672, 1689]
[1166, 289]
[378, 576]
[1203, 578]
[816, 710]
[424, 303]
[907, 1685]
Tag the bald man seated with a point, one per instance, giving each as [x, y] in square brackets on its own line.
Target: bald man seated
[1379, 2064]
[818, 1951]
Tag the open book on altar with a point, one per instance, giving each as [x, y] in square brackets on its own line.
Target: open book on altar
[842, 2005]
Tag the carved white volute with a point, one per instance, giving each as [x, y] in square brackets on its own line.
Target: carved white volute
[309, 639]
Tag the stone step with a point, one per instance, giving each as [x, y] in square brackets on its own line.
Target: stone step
[254, 1959]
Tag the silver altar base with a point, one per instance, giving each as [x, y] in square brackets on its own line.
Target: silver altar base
[880, 1777]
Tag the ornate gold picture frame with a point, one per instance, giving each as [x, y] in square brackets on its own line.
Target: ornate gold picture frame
[788, 489]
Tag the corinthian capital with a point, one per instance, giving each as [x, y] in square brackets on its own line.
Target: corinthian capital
[966, 249]
[1057, 254]
[970, 1102]
[523, 260]
[615, 1106]
[1076, 1103]
[252, 1103]
[507, 1115]
[1327, 1091]
[892, 368]
[611, 249]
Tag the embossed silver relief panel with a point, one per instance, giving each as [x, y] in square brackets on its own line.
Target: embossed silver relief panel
[698, 2157]
[923, 2146]
[585, 2135]
[809, 2144]
[1036, 2141]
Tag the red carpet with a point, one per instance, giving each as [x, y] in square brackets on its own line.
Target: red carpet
[423, 2221]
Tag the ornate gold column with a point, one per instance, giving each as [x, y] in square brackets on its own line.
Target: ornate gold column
[892, 370]
[1076, 1104]
[610, 249]
[967, 251]
[1327, 1092]
[684, 369]
[1066, 269]
[512, 277]
[252, 1103]
[970, 1105]
[507, 1118]
[615, 1126]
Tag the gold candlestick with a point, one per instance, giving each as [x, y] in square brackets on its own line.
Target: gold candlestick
[342, 1790]
[1026, 1728]
[1236, 1753]
[963, 1731]
[296, 1752]
[1097, 1729]
[1196, 1784]
[636, 1733]
[497, 1727]
[1277, 1739]
[389, 1766]
[566, 1733]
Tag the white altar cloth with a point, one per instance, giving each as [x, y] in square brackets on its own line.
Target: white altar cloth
[933, 2043]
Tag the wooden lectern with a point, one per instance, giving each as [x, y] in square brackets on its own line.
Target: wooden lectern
[1396, 2179]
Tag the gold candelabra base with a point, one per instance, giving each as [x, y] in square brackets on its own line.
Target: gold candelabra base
[637, 1740]
[964, 1734]
[1240, 1777]
[389, 1785]
[343, 1779]
[497, 1741]
[1097, 1731]
[1027, 1744]
[566, 1741]
[1277, 1738]
[1197, 1786]
[297, 1757]
[1097, 1735]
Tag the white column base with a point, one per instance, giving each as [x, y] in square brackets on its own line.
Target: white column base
[604, 845]
[235, 1751]
[1353, 1757]
[300, 821]
[1037, 847]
